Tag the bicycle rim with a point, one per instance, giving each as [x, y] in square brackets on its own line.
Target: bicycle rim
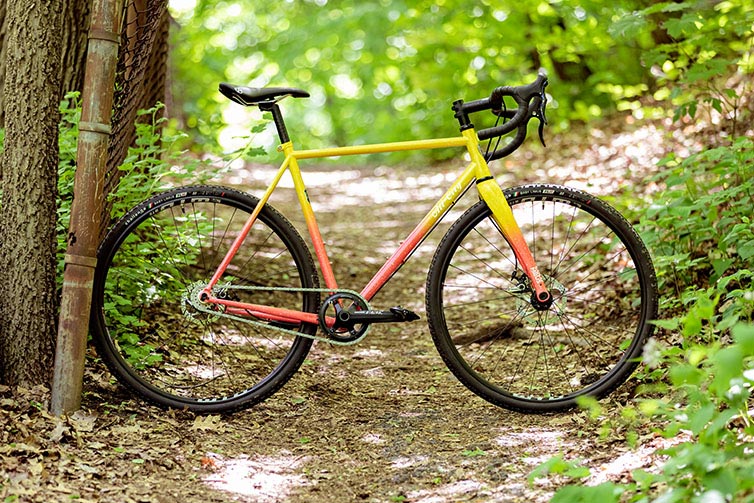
[161, 347]
[586, 343]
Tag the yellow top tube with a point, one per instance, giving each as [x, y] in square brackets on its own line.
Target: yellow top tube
[378, 148]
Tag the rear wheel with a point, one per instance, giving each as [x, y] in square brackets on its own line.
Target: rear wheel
[154, 262]
[532, 358]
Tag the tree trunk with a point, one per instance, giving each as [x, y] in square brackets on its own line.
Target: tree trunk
[29, 185]
[75, 35]
[3, 29]
[74, 42]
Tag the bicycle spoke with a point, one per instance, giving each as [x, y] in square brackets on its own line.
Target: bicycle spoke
[175, 353]
[523, 354]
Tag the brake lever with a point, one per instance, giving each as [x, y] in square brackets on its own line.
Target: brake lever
[542, 132]
[542, 116]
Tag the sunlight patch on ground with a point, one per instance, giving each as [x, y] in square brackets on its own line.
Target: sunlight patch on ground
[644, 456]
[532, 436]
[376, 372]
[263, 479]
[457, 491]
[537, 445]
[404, 462]
[373, 438]
[368, 353]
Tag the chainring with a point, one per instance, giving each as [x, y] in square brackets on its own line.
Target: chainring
[339, 306]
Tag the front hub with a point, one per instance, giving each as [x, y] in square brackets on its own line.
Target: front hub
[541, 304]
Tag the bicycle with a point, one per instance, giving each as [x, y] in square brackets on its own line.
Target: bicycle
[207, 298]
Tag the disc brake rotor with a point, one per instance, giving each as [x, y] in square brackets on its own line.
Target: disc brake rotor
[524, 306]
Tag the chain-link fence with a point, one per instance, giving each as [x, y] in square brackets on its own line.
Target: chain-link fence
[140, 76]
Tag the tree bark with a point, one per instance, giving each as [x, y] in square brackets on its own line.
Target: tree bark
[3, 29]
[29, 185]
[75, 35]
[74, 42]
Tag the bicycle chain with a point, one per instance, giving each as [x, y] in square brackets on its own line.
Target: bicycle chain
[204, 308]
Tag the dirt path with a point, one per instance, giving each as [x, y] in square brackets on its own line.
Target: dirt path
[381, 421]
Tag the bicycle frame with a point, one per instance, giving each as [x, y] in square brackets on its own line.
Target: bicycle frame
[477, 170]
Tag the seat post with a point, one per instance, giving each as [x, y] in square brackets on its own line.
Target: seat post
[277, 116]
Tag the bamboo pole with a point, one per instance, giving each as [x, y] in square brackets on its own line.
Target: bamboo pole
[83, 235]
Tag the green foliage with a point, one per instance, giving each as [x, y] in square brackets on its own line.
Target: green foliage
[557, 465]
[151, 165]
[368, 63]
[703, 56]
[705, 398]
[699, 381]
[702, 234]
[700, 227]
[604, 493]
[154, 164]
[709, 386]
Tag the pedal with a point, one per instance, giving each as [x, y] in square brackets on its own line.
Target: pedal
[403, 314]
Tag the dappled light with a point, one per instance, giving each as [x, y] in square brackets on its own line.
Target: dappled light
[265, 479]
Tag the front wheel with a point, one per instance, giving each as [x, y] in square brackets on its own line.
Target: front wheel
[151, 266]
[542, 358]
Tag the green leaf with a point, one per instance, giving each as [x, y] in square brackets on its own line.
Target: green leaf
[667, 7]
[707, 70]
[727, 364]
[606, 492]
[746, 249]
[692, 325]
[259, 127]
[681, 374]
[721, 265]
[723, 481]
[628, 26]
[557, 464]
[671, 324]
[685, 25]
[743, 334]
[701, 417]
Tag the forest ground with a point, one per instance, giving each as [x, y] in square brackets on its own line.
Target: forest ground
[380, 421]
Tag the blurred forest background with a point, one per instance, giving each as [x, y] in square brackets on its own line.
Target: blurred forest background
[389, 69]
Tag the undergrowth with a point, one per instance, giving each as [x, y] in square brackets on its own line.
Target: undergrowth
[698, 370]
[151, 165]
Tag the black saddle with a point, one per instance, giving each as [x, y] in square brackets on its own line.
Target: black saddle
[254, 96]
